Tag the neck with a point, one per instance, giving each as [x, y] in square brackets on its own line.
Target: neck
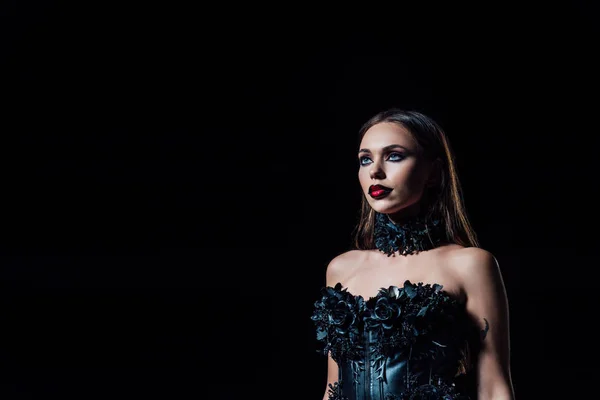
[405, 215]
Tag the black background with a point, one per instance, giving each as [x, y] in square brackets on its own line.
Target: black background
[176, 178]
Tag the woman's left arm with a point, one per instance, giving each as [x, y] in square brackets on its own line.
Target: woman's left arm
[487, 302]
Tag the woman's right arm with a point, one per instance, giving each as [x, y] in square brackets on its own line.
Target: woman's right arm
[332, 375]
[332, 277]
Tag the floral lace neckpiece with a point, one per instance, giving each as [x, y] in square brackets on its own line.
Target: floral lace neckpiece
[407, 238]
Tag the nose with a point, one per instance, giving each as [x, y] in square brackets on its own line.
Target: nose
[376, 172]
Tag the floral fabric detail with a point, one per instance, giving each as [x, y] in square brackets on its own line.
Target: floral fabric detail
[413, 236]
[338, 320]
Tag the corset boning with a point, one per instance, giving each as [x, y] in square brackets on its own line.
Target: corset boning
[395, 377]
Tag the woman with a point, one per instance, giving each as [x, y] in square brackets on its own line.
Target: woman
[417, 310]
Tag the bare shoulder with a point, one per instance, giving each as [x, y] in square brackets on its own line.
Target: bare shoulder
[475, 267]
[342, 265]
[472, 259]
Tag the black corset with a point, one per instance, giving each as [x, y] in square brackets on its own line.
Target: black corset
[410, 342]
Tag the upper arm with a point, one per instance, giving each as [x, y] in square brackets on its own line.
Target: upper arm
[487, 302]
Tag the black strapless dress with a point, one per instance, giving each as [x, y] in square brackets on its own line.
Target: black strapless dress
[409, 342]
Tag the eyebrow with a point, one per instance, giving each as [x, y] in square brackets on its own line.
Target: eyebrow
[385, 148]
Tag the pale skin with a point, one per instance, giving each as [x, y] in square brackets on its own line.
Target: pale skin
[391, 157]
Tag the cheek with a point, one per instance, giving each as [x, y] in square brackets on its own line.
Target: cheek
[411, 179]
[415, 179]
[363, 177]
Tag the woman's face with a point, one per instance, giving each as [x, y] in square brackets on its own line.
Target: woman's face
[392, 170]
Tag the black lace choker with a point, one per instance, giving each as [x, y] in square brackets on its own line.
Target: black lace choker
[410, 237]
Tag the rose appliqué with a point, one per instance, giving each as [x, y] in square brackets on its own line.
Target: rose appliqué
[338, 319]
[404, 320]
[385, 313]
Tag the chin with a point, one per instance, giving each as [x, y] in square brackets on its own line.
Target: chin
[385, 207]
[393, 206]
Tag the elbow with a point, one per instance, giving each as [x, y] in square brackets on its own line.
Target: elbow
[502, 391]
[498, 387]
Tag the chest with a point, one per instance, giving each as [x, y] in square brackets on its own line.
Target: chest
[365, 278]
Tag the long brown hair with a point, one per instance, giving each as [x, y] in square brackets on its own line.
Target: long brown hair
[443, 201]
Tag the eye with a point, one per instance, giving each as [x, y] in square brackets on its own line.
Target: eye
[396, 157]
[364, 160]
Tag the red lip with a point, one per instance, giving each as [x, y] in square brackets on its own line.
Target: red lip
[379, 191]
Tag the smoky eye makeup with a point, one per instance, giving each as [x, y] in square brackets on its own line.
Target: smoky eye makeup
[393, 156]
[363, 160]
